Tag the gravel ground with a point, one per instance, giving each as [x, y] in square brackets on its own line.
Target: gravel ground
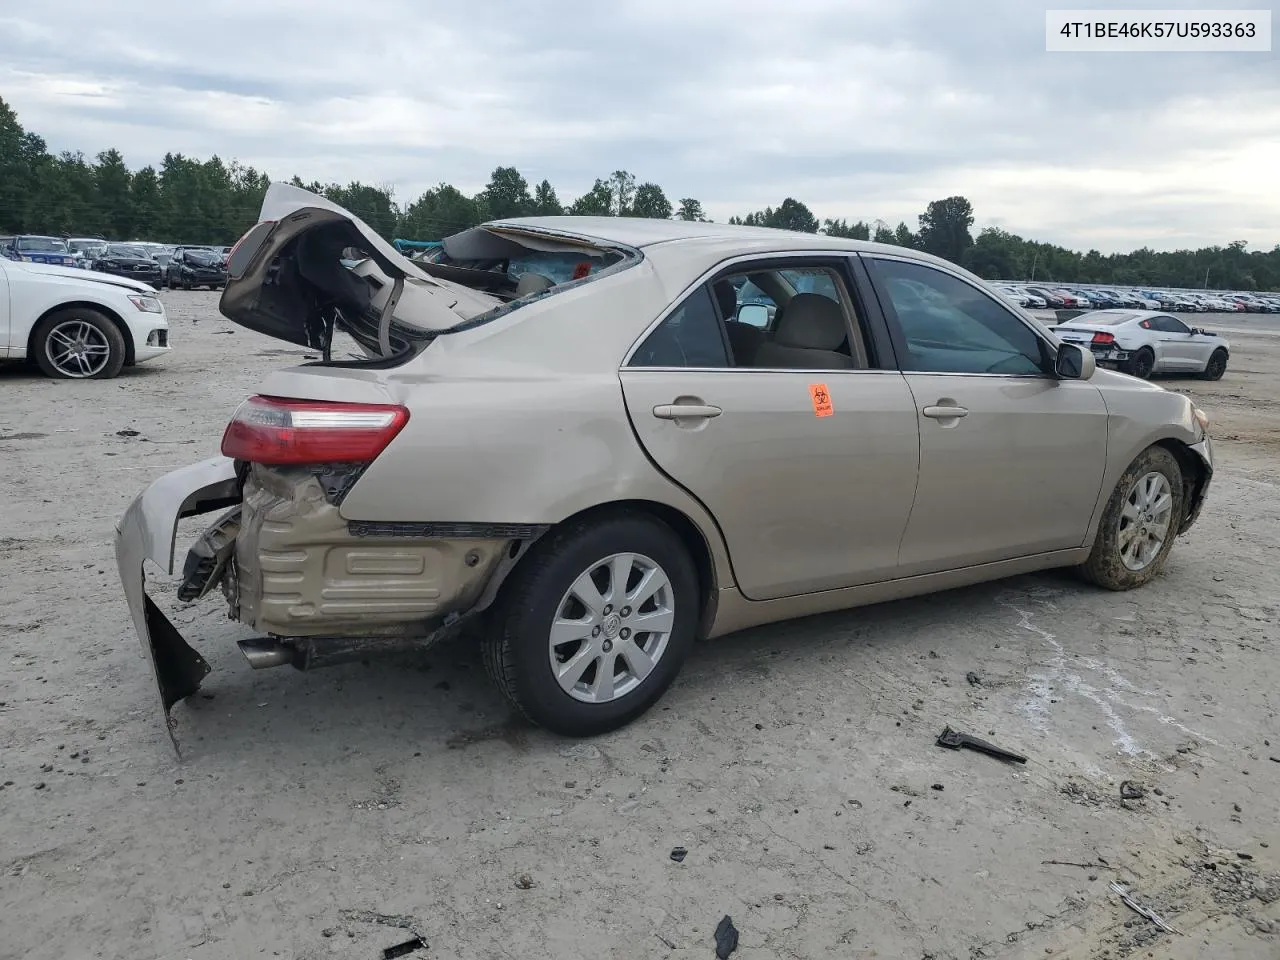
[336, 813]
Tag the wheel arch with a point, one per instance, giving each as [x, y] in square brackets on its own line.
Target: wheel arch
[689, 533]
[1195, 478]
[115, 318]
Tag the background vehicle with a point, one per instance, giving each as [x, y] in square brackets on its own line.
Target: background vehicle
[649, 457]
[1143, 342]
[191, 267]
[86, 249]
[76, 324]
[1052, 298]
[36, 249]
[128, 260]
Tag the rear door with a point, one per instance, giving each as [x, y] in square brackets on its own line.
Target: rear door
[1011, 458]
[801, 439]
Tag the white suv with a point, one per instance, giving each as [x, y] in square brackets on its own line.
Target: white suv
[78, 324]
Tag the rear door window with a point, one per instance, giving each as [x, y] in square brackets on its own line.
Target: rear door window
[689, 337]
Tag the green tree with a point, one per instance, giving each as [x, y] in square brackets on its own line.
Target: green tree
[651, 202]
[507, 194]
[883, 234]
[997, 255]
[374, 205]
[691, 209]
[944, 228]
[545, 201]
[622, 190]
[440, 212]
[596, 202]
[112, 181]
[144, 197]
[842, 228]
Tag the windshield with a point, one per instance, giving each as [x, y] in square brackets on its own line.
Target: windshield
[41, 245]
[127, 250]
[202, 256]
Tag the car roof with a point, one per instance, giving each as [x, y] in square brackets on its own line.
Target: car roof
[639, 232]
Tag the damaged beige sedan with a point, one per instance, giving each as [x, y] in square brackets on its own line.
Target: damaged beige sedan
[597, 440]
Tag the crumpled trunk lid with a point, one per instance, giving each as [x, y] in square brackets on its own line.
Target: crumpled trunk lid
[292, 277]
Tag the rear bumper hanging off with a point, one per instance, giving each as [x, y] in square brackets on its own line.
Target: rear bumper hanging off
[146, 532]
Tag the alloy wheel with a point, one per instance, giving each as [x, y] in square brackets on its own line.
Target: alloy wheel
[1145, 521]
[77, 348]
[611, 628]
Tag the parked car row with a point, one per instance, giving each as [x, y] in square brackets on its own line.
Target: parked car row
[157, 264]
[1057, 297]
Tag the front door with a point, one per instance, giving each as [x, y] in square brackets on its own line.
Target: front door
[1180, 349]
[801, 447]
[1011, 458]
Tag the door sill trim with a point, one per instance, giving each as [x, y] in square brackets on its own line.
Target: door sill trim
[735, 612]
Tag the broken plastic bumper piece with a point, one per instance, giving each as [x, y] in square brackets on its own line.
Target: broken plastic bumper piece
[147, 532]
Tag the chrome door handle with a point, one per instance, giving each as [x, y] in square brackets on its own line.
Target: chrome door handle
[945, 413]
[686, 411]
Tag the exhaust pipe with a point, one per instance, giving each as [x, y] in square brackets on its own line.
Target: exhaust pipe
[263, 653]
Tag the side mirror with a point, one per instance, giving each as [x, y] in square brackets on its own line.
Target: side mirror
[1074, 362]
[755, 314]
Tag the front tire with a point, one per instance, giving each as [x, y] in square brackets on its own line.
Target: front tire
[78, 344]
[594, 624]
[1141, 364]
[1139, 523]
[1216, 366]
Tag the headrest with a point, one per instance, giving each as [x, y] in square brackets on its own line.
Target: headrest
[727, 297]
[813, 322]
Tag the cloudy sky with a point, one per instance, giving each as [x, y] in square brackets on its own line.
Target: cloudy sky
[860, 108]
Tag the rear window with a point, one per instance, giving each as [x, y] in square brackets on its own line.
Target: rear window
[557, 267]
[1104, 319]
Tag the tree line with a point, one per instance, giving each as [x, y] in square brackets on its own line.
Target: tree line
[186, 200]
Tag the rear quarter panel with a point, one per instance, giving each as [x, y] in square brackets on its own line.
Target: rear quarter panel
[521, 420]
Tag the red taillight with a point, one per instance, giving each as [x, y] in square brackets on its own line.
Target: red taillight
[1104, 338]
[276, 431]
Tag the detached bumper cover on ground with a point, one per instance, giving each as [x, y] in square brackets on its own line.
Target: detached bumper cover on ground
[147, 532]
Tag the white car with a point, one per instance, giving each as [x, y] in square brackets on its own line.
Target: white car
[1143, 342]
[78, 324]
[1013, 295]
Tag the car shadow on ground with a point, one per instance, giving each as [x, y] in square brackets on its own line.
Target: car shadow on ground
[441, 699]
[19, 371]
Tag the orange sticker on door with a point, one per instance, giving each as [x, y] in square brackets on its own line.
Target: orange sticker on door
[821, 397]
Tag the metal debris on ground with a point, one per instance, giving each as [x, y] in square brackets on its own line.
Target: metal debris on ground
[1131, 791]
[1141, 910]
[128, 433]
[726, 938]
[678, 854]
[954, 740]
[402, 949]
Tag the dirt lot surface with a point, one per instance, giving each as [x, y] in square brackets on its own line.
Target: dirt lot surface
[340, 812]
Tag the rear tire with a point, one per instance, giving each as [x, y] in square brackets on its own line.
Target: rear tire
[1141, 364]
[1216, 366]
[523, 655]
[1116, 562]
